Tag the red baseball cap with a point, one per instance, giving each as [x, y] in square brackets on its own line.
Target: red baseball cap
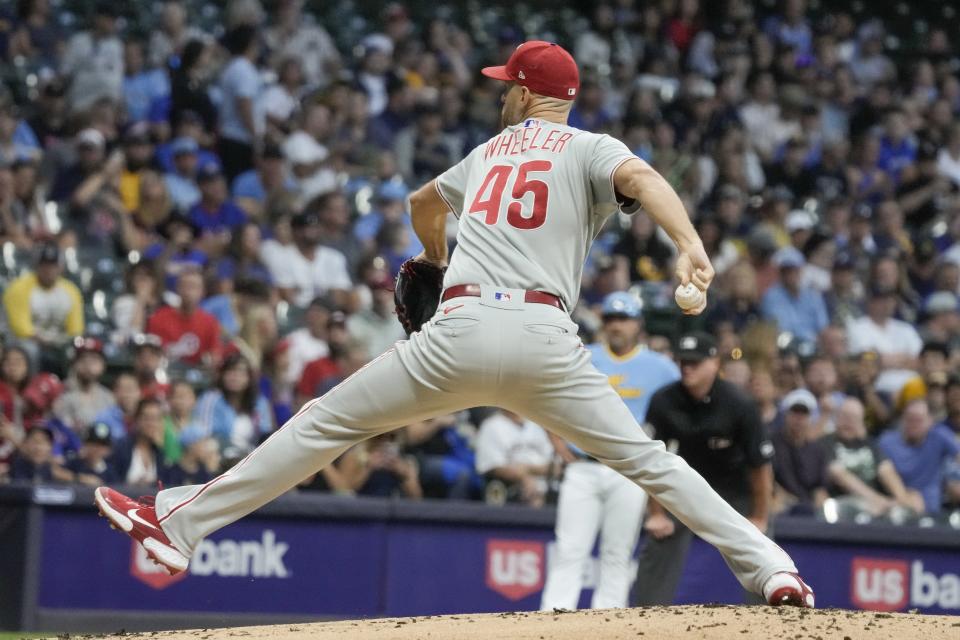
[543, 67]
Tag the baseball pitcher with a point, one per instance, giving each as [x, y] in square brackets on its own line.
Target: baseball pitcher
[530, 201]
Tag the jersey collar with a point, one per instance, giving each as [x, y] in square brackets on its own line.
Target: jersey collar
[627, 356]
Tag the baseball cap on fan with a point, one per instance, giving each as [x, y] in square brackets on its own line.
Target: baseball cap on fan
[543, 67]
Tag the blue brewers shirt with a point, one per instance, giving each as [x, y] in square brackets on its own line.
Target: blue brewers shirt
[635, 376]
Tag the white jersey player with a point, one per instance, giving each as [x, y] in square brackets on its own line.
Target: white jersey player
[530, 202]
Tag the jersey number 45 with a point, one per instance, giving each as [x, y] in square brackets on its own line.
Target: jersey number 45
[496, 182]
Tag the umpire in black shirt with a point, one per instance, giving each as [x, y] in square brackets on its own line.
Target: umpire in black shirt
[717, 429]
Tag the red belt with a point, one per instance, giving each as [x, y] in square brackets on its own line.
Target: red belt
[473, 291]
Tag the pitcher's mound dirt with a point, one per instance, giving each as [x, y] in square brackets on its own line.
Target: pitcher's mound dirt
[667, 623]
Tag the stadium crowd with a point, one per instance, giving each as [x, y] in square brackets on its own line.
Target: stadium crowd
[203, 207]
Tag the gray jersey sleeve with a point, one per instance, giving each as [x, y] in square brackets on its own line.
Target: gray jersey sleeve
[608, 154]
[452, 183]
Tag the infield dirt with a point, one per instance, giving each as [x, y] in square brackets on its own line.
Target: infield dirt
[667, 623]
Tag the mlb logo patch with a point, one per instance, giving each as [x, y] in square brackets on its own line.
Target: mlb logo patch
[499, 295]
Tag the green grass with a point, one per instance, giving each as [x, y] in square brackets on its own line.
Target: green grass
[16, 635]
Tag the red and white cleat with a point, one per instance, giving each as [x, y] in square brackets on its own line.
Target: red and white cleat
[138, 519]
[788, 589]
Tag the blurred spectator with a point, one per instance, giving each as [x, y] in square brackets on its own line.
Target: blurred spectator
[896, 341]
[142, 85]
[84, 397]
[346, 356]
[377, 468]
[153, 209]
[739, 308]
[870, 65]
[860, 470]
[820, 376]
[175, 252]
[240, 124]
[920, 452]
[189, 84]
[189, 333]
[514, 455]
[258, 326]
[377, 328]
[89, 465]
[120, 416]
[390, 206]
[140, 299]
[34, 462]
[11, 436]
[273, 384]
[424, 150]
[843, 298]
[42, 36]
[234, 412]
[242, 261]
[309, 342]
[948, 160]
[765, 394]
[252, 189]
[215, 216]
[168, 41]
[333, 211]
[179, 417]
[295, 35]
[138, 457]
[306, 269]
[897, 147]
[646, 254]
[799, 461]
[148, 365]
[762, 118]
[797, 309]
[396, 116]
[952, 420]
[182, 180]
[16, 373]
[199, 461]
[862, 384]
[445, 457]
[49, 120]
[10, 149]
[43, 306]
[310, 173]
[942, 317]
[374, 70]
[922, 191]
[93, 60]
[281, 101]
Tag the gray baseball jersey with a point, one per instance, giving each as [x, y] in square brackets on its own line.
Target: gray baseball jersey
[530, 202]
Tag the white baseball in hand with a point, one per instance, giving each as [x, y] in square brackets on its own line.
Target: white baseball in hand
[688, 296]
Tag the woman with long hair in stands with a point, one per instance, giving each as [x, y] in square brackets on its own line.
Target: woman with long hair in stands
[235, 412]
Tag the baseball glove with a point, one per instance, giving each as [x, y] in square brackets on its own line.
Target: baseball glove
[417, 293]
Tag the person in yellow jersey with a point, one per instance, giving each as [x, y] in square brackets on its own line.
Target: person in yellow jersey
[42, 305]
